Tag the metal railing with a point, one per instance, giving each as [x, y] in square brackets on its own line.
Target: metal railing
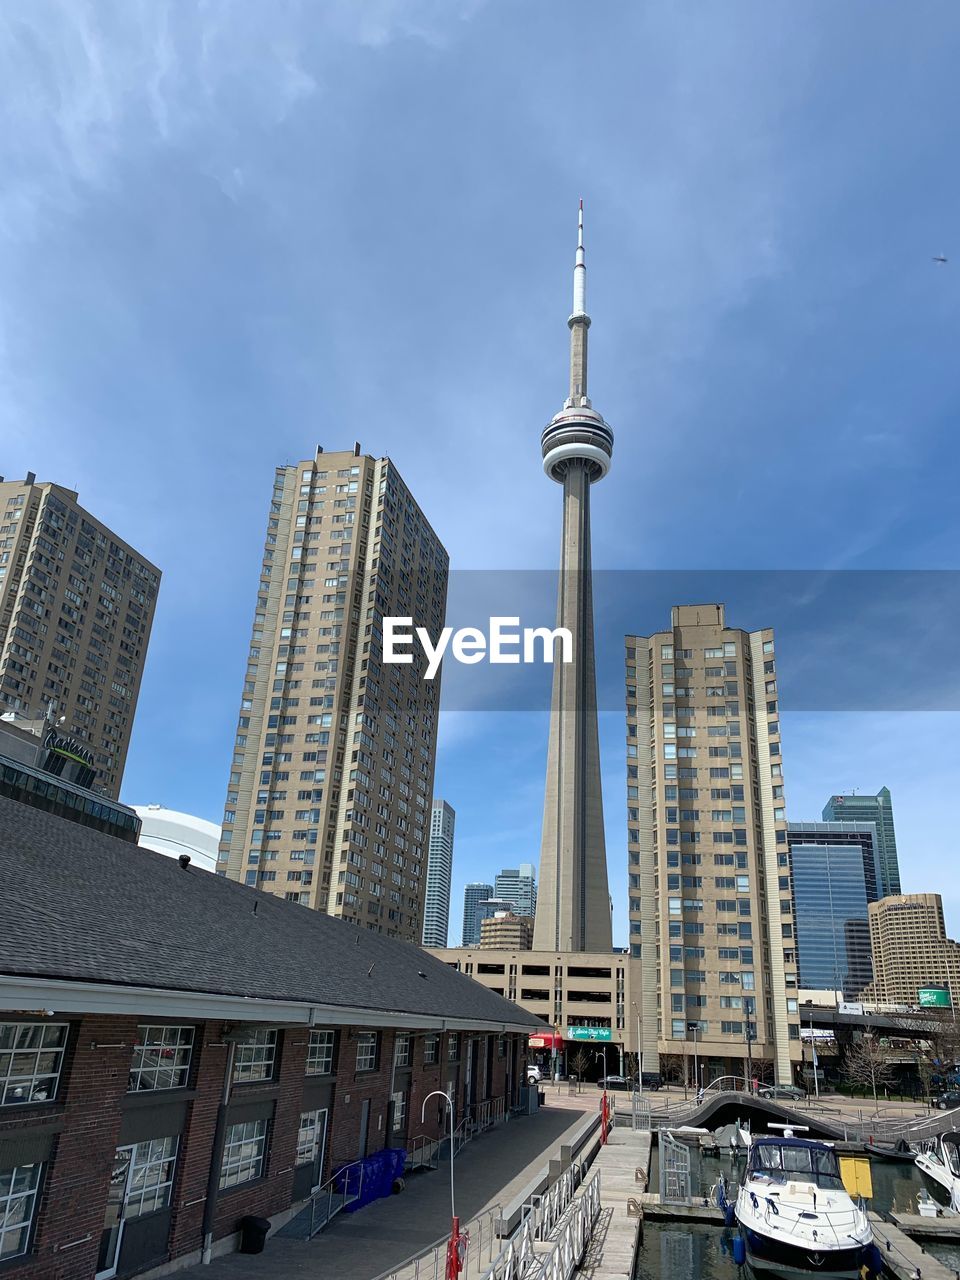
[431, 1263]
[326, 1202]
[421, 1153]
[543, 1212]
[573, 1236]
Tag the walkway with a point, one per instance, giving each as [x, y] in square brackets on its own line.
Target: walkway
[903, 1256]
[611, 1250]
[359, 1246]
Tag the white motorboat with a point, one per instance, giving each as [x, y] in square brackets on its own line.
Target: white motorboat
[939, 1159]
[796, 1217]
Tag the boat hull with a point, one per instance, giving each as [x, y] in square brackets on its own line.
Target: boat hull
[777, 1257]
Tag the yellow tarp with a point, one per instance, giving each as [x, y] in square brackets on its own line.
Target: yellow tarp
[855, 1172]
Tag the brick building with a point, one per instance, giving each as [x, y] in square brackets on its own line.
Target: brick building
[177, 1052]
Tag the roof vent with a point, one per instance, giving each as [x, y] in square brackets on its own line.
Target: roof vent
[184, 860]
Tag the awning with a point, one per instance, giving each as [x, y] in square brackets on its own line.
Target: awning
[546, 1040]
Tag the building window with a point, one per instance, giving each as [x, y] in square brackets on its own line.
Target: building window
[254, 1060]
[320, 1053]
[31, 1057]
[367, 1051]
[243, 1153]
[453, 1047]
[310, 1135]
[18, 1204]
[431, 1049]
[401, 1051]
[399, 1111]
[152, 1166]
[161, 1058]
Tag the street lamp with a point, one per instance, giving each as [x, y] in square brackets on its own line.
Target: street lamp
[695, 1027]
[813, 1049]
[748, 1009]
[639, 1049]
[453, 1248]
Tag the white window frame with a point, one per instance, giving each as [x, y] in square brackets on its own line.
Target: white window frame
[244, 1153]
[431, 1049]
[18, 1190]
[402, 1049]
[367, 1046]
[399, 1110]
[312, 1140]
[31, 1060]
[160, 1039]
[320, 1052]
[255, 1060]
[156, 1162]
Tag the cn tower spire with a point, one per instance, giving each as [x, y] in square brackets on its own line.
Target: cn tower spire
[579, 323]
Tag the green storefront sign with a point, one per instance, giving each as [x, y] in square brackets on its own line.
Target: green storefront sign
[933, 998]
[589, 1033]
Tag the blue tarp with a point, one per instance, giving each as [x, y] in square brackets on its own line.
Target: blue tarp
[373, 1177]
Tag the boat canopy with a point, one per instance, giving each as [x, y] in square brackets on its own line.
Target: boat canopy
[790, 1159]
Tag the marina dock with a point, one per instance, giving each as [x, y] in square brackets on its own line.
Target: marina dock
[612, 1249]
[905, 1258]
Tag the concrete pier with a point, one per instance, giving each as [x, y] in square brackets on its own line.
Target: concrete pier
[903, 1257]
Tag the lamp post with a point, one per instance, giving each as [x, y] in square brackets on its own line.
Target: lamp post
[695, 1027]
[813, 1050]
[453, 1248]
[639, 1049]
[748, 1009]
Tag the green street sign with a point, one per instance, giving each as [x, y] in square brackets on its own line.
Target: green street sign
[589, 1033]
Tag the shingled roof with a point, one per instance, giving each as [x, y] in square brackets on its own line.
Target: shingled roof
[82, 906]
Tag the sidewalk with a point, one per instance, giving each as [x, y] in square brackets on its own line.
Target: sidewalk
[359, 1246]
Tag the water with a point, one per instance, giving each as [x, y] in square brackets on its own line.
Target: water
[674, 1252]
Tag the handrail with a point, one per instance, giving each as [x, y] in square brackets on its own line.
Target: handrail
[421, 1150]
[544, 1211]
[317, 1197]
[430, 1263]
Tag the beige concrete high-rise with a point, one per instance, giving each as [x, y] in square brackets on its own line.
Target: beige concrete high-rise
[76, 608]
[573, 903]
[911, 949]
[710, 902]
[329, 796]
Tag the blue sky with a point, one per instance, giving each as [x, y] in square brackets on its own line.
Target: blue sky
[230, 232]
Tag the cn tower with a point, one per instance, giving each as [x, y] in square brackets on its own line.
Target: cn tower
[573, 903]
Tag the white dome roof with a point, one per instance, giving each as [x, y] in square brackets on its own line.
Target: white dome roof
[171, 832]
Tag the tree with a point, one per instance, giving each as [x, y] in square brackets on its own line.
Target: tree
[579, 1062]
[671, 1068]
[866, 1064]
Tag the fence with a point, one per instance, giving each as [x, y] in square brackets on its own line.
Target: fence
[480, 1252]
[571, 1236]
[326, 1202]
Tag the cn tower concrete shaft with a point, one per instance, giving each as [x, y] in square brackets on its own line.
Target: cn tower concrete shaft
[573, 903]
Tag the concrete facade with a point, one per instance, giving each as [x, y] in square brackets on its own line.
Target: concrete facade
[436, 912]
[331, 781]
[76, 609]
[710, 903]
[506, 931]
[592, 995]
[908, 939]
[573, 897]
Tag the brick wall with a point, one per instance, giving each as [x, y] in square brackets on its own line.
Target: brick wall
[90, 1107]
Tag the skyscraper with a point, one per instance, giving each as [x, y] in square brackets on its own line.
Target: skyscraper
[473, 895]
[711, 913]
[877, 809]
[328, 800]
[518, 885]
[577, 446]
[76, 608]
[911, 950]
[835, 870]
[436, 911]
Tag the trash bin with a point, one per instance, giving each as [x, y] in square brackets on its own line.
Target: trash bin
[253, 1234]
[543, 1096]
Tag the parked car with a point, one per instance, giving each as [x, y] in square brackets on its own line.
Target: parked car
[534, 1075]
[786, 1091]
[652, 1080]
[947, 1101]
[615, 1082]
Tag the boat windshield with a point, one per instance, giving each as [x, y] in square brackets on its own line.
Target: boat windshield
[792, 1163]
[952, 1153]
